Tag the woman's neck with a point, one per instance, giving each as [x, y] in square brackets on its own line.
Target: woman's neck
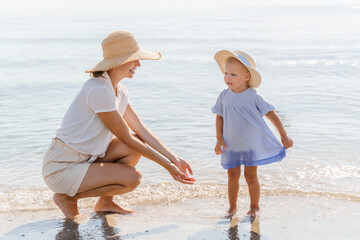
[115, 79]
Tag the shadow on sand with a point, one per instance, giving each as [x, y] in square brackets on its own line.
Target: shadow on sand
[97, 227]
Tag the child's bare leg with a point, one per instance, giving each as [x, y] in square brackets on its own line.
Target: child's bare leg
[254, 189]
[233, 188]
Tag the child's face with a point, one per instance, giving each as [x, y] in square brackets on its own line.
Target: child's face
[236, 76]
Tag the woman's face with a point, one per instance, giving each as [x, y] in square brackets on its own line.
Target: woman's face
[126, 70]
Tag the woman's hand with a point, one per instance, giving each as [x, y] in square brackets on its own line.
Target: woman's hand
[287, 142]
[183, 166]
[219, 143]
[179, 176]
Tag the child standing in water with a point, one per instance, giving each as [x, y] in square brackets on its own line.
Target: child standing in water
[243, 137]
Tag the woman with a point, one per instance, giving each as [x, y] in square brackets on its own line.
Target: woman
[94, 153]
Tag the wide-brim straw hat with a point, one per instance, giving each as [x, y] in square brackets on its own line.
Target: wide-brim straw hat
[121, 47]
[222, 56]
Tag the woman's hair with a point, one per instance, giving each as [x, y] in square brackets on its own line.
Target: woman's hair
[97, 74]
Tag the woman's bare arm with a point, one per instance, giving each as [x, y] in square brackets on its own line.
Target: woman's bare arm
[117, 125]
[137, 126]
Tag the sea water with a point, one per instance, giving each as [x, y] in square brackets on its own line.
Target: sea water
[309, 58]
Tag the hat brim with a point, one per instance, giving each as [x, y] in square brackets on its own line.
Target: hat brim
[111, 63]
[221, 58]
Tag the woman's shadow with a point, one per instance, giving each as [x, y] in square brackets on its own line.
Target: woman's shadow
[97, 227]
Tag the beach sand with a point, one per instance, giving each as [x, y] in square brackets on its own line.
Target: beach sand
[282, 217]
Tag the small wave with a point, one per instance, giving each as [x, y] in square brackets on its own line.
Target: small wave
[13, 200]
[316, 62]
[355, 7]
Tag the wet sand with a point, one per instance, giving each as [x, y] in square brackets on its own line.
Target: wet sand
[282, 217]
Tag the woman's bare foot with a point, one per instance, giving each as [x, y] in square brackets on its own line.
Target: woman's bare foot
[254, 212]
[67, 204]
[108, 205]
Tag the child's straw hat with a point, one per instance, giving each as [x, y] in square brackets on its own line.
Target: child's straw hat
[121, 47]
[222, 56]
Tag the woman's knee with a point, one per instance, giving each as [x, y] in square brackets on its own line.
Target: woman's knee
[138, 174]
[134, 178]
[131, 159]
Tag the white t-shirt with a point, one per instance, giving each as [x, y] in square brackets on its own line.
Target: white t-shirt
[81, 127]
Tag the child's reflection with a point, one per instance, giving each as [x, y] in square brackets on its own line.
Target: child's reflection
[233, 231]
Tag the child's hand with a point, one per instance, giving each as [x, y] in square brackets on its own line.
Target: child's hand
[220, 142]
[287, 142]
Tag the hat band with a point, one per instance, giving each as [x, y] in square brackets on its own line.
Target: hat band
[244, 60]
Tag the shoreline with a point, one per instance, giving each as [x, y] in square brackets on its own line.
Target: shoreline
[29, 199]
[282, 217]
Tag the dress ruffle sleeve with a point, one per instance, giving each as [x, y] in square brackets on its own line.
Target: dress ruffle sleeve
[218, 107]
[263, 106]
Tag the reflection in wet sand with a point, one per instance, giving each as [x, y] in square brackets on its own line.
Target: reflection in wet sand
[70, 230]
[97, 224]
[233, 231]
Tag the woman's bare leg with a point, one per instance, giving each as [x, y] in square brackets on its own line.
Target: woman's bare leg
[254, 189]
[101, 179]
[119, 153]
[67, 204]
[112, 175]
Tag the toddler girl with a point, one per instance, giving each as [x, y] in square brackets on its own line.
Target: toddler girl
[243, 137]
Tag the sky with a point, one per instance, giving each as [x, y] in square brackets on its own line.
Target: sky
[36, 7]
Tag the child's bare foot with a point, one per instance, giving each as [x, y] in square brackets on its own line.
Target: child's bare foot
[254, 212]
[67, 204]
[232, 211]
[110, 206]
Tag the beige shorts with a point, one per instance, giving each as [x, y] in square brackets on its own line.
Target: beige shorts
[63, 168]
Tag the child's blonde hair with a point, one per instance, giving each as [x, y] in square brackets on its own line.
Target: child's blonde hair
[231, 60]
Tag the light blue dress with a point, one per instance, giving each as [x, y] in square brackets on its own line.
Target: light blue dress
[248, 138]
